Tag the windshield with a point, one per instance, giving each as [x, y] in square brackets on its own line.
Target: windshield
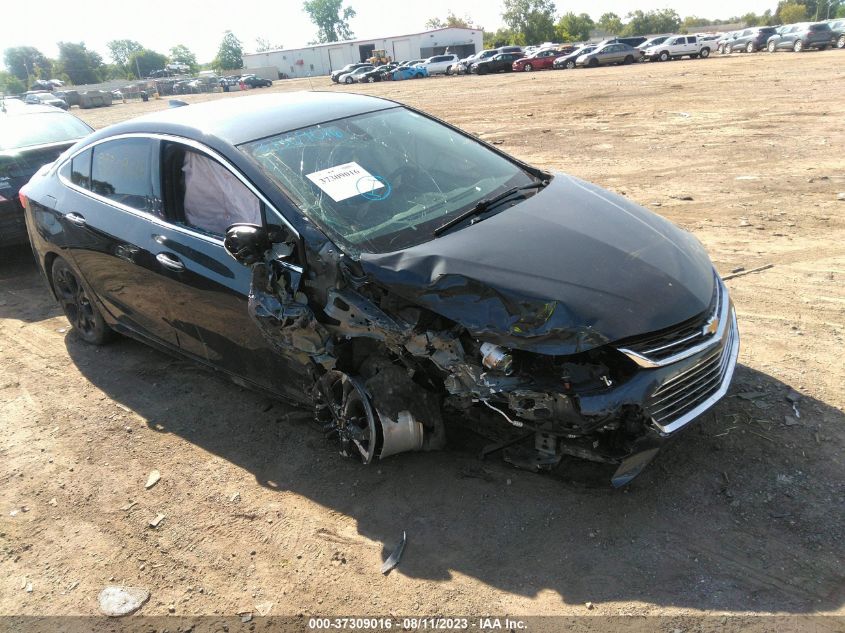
[26, 130]
[383, 181]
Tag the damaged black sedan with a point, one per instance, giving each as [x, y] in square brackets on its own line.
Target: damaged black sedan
[399, 276]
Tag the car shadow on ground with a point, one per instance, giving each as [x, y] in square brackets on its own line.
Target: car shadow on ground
[736, 515]
[22, 289]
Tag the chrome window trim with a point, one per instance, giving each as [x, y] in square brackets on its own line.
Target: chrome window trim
[154, 218]
[724, 313]
[733, 351]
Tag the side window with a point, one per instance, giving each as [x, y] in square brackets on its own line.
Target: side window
[80, 169]
[120, 171]
[202, 194]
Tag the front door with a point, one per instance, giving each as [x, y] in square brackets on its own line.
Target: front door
[208, 290]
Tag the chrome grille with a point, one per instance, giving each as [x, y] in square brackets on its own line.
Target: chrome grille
[667, 344]
[690, 392]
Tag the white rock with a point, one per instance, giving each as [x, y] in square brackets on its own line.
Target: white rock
[152, 480]
[118, 601]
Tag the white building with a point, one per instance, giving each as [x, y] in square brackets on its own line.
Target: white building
[322, 59]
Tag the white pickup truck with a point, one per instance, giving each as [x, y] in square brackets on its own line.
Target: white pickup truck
[680, 46]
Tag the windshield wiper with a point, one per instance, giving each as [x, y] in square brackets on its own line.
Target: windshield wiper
[485, 205]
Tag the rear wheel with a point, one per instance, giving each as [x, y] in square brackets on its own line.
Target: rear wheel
[528, 68]
[749, 48]
[593, 63]
[772, 47]
[628, 60]
[798, 46]
[77, 305]
[570, 64]
[705, 52]
[448, 70]
[840, 43]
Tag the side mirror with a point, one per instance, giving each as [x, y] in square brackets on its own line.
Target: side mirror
[247, 243]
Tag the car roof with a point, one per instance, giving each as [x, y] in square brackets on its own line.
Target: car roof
[241, 119]
[16, 107]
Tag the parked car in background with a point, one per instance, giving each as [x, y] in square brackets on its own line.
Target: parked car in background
[541, 60]
[440, 64]
[510, 49]
[633, 42]
[325, 248]
[568, 61]
[721, 43]
[797, 37]
[253, 81]
[679, 46]
[337, 74]
[408, 72]
[749, 40]
[30, 136]
[837, 27]
[466, 63]
[376, 74]
[654, 41]
[616, 53]
[501, 63]
[352, 77]
[45, 98]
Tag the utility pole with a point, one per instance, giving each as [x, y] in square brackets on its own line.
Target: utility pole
[137, 68]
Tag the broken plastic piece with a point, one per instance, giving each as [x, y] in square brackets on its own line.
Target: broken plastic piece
[393, 559]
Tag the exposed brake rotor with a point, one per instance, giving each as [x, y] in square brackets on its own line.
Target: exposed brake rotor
[344, 410]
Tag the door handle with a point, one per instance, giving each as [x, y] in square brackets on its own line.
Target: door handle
[170, 261]
[75, 218]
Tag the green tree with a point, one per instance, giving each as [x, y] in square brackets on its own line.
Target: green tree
[181, 54]
[230, 53]
[694, 22]
[500, 37]
[792, 12]
[610, 23]
[145, 61]
[332, 23]
[648, 23]
[575, 28]
[27, 62]
[120, 50]
[451, 20]
[532, 21]
[10, 84]
[78, 63]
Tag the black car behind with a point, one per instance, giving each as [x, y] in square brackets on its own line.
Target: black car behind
[501, 63]
[30, 136]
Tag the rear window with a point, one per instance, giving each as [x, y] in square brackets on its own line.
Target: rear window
[820, 27]
[27, 130]
[768, 30]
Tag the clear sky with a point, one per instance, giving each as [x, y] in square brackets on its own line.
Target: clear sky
[200, 25]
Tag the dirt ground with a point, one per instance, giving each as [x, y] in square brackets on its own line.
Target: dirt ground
[743, 515]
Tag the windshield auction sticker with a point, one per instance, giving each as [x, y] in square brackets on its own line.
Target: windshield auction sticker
[345, 181]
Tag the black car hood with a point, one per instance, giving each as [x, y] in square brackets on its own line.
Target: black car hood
[569, 269]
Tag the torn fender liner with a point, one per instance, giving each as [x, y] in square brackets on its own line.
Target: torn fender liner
[566, 270]
[282, 314]
[400, 403]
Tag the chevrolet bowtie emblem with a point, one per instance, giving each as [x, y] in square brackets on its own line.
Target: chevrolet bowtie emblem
[711, 327]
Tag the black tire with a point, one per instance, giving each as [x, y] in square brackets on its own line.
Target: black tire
[593, 62]
[694, 56]
[628, 60]
[749, 48]
[772, 47]
[822, 48]
[798, 46]
[570, 64]
[705, 53]
[664, 56]
[77, 305]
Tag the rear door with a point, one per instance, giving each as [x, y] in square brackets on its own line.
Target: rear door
[207, 289]
[109, 210]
